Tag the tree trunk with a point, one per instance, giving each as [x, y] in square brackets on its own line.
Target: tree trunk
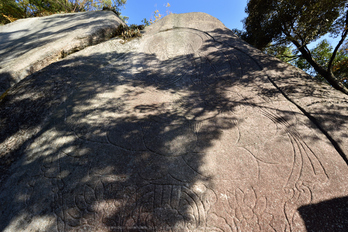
[327, 74]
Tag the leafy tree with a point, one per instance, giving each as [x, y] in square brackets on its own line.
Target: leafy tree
[282, 52]
[299, 22]
[240, 33]
[323, 53]
[90, 5]
[10, 10]
[341, 70]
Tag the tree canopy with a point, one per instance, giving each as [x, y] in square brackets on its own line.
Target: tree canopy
[10, 10]
[298, 22]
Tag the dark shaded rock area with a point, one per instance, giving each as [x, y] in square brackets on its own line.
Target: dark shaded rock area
[187, 128]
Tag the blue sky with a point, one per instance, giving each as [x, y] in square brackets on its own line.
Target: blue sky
[229, 12]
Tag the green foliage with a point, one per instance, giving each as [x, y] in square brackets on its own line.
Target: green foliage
[341, 66]
[300, 22]
[10, 10]
[322, 53]
[282, 52]
[240, 33]
[340, 70]
[303, 21]
[145, 22]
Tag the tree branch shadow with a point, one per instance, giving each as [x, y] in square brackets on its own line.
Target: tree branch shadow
[122, 143]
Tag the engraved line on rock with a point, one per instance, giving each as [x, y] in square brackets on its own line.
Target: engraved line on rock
[198, 204]
[196, 171]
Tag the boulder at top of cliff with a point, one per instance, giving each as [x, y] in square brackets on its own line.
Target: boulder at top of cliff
[187, 128]
[28, 45]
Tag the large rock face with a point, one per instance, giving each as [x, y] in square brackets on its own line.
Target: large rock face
[28, 45]
[185, 129]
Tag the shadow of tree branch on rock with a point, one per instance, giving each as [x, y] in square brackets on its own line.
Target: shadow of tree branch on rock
[132, 140]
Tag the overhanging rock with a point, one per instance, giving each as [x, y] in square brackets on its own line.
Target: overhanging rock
[28, 45]
[185, 129]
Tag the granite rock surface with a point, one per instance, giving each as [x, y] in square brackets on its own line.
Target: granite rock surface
[28, 45]
[185, 129]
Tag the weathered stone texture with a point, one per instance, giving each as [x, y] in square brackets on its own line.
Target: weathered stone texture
[185, 129]
[28, 45]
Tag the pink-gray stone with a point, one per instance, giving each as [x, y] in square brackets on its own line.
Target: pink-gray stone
[185, 129]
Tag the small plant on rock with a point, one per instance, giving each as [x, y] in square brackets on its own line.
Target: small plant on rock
[129, 32]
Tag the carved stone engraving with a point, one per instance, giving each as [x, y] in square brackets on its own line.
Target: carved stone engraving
[181, 130]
